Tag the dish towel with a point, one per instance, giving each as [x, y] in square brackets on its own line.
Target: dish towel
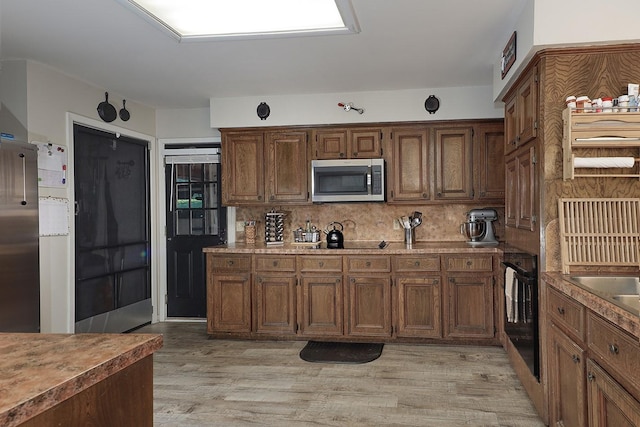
[509, 301]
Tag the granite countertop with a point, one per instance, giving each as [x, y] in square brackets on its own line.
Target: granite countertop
[356, 247]
[625, 319]
[37, 371]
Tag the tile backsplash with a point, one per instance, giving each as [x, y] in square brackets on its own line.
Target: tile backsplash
[371, 221]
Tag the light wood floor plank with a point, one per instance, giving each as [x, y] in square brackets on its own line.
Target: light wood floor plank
[203, 382]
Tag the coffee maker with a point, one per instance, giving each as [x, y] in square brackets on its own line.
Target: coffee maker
[479, 227]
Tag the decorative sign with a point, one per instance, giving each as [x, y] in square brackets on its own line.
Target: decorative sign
[508, 55]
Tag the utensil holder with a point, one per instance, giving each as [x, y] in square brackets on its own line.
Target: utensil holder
[409, 236]
[250, 234]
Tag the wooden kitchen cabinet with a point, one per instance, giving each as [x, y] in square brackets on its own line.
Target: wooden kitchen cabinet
[610, 405]
[368, 296]
[411, 165]
[229, 294]
[469, 304]
[567, 380]
[521, 196]
[521, 112]
[264, 167]
[274, 295]
[453, 163]
[489, 179]
[418, 296]
[320, 303]
[344, 143]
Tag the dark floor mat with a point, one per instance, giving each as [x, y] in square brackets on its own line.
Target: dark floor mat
[340, 352]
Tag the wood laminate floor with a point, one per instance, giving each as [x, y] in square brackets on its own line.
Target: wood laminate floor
[205, 382]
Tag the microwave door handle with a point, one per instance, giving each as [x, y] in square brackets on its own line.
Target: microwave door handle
[369, 180]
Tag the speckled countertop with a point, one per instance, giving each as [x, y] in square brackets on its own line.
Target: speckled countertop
[624, 318]
[37, 371]
[356, 247]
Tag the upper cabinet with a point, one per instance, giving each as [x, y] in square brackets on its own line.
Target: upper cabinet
[453, 163]
[521, 112]
[264, 167]
[411, 165]
[489, 176]
[347, 143]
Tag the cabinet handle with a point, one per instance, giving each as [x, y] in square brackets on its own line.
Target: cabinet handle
[259, 197]
[424, 195]
[338, 280]
[613, 349]
[575, 358]
[469, 263]
[452, 280]
[482, 194]
[341, 154]
[321, 263]
[355, 154]
[561, 310]
[417, 264]
[436, 281]
[368, 263]
[272, 197]
[275, 263]
[439, 194]
[591, 377]
[229, 263]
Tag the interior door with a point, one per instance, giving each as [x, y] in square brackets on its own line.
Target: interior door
[112, 229]
[195, 219]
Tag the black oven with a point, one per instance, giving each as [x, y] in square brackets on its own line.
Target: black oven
[521, 306]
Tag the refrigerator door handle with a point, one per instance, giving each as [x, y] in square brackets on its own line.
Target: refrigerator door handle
[24, 179]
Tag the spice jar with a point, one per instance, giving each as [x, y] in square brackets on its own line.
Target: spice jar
[607, 104]
[582, 102]
[623, 103]
[570, 101]
[596, 105]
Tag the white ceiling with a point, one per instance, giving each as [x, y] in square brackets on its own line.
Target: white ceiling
[404, 44]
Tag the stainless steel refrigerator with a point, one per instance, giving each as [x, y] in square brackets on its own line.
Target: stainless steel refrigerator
[19, 259]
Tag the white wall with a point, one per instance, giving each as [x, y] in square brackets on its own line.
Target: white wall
[52, 98]
[184, 123]
[552, 23]
[382, 106]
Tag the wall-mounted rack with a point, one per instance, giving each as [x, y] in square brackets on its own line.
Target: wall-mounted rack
[618, 133]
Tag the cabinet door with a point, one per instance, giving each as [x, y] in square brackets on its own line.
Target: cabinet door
[511, 191]
[453, 163]
[369, 306]
[469, 306]
[488, 162]
[510, 126]
[411, 165]
[365, 143]
[527, 108]
[242, 168]
[228, 303]
[330, 144]
[526, 189]
[418, 307]
[567, 387]
[321, 306]
[610, 405]
[286, 178]
[274, 304]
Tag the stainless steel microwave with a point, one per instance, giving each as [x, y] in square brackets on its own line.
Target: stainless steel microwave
[347, 180]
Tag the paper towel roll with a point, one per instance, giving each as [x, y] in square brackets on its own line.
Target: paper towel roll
[603, 162]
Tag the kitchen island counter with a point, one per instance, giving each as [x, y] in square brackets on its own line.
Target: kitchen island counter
[356, 247]
[68, 379]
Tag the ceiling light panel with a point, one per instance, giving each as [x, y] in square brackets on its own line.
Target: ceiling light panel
[216, 19]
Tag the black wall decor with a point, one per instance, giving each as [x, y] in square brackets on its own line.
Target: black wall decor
[263, 111]
[432, 104]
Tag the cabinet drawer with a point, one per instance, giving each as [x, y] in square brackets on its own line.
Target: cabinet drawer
[566, 313]
[614, 348]
[320, 263]
[469, 263]
[275, 263]
[416, 263]
[368, 264]
[231, 262]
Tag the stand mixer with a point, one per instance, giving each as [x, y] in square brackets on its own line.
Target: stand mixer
[479, 226]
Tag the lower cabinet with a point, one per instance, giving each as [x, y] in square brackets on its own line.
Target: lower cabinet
[593, 367]
[382, 297]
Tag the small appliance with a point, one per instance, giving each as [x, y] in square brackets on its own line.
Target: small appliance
[335, 238]
[347, 180]
[479, 227]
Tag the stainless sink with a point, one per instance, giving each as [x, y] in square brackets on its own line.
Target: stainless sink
[623, 290]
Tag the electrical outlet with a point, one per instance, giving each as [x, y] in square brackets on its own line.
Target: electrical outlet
[396, 224]
[240, 226]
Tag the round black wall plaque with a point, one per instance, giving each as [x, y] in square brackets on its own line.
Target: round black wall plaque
[432, 104]
[263, 111]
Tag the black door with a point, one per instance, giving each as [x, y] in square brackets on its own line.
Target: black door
[111, 189]
[195, 219]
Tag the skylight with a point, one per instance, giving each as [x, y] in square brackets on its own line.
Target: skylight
[223, 19]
